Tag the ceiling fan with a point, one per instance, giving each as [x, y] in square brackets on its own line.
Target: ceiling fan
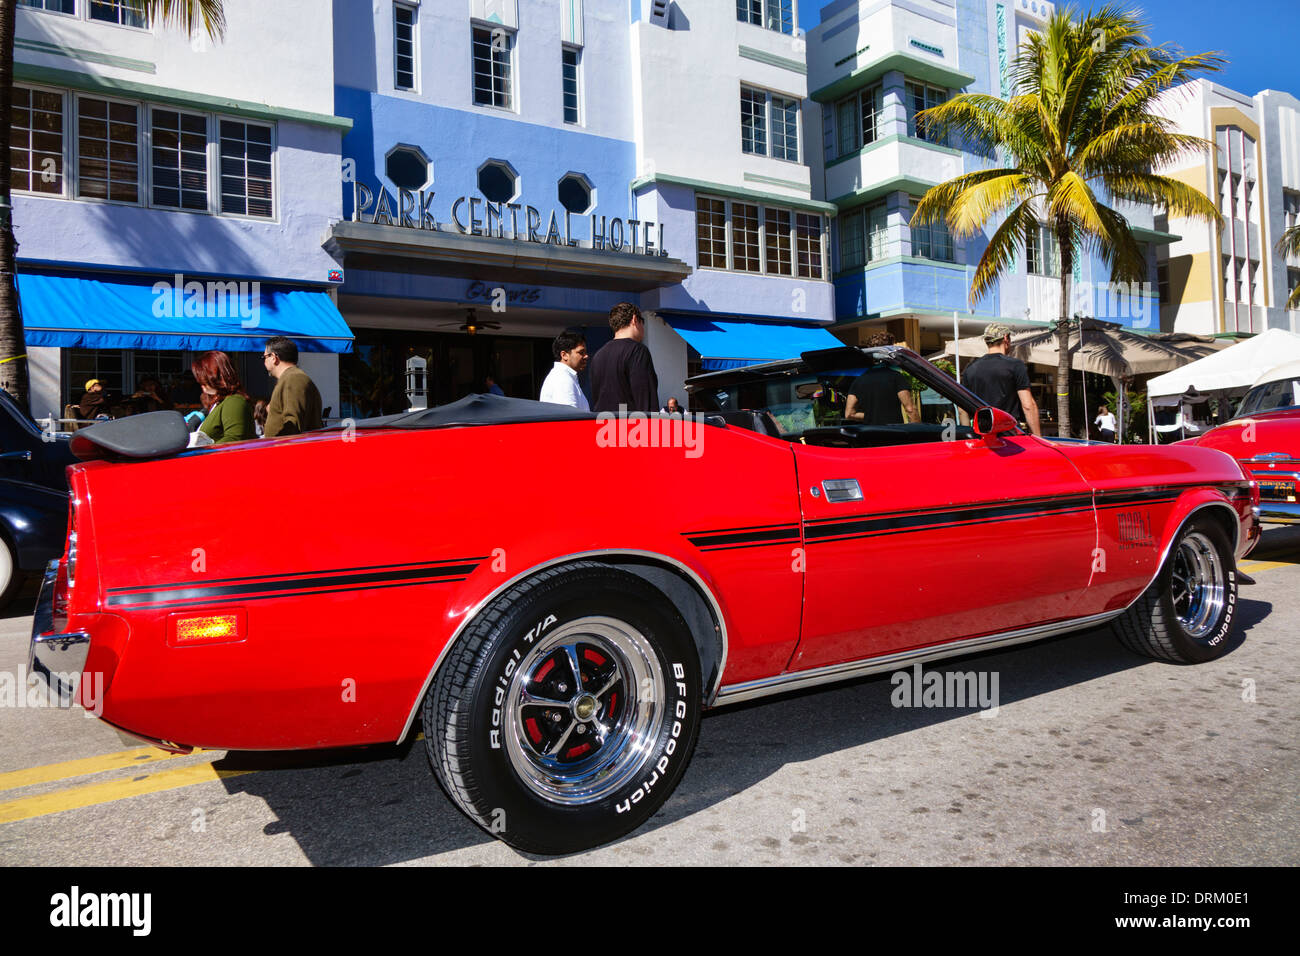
[472, 323]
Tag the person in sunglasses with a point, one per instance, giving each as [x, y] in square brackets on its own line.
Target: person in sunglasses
[295, 404]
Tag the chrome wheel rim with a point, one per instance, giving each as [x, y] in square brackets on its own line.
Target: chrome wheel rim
[1198, 585]
[585, 706]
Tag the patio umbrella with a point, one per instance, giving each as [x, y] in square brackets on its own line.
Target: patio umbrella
[1104, 348]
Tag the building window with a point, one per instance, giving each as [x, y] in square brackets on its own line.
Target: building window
[761, 111]
[179, 159]
[1162, 282]
[246, 187]
[932, 241]
[1290, 208]
[1292, 282]
[711, 233]
[922, 96]
[54, 6]
[1042, 253]
[753, 121]
[36, 141]
[128, 13]
[776, 242]
[788, 243]
[744, 238]
[571, 57]
[407, 168]
[403, 46]
[493, 50]
[498, 181]
[858, 119]
[808, 241]
[108, 150]
[773, 14]
[863, 236]
[574, 193]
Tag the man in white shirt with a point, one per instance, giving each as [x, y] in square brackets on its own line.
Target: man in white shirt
[561, 386]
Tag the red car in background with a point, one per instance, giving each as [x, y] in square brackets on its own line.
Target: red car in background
[1264, 437]
[512, 578]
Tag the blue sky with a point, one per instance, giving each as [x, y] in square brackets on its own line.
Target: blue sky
[1260, 38]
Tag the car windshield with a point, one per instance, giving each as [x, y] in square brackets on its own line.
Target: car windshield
[879, 394]
[1284, 393]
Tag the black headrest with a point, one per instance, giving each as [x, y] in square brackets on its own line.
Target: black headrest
[134, 438]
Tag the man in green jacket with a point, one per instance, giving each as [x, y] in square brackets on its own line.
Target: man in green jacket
[295, 403]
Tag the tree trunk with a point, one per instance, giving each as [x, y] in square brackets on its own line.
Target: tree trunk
[13, 360]
[1063, 241]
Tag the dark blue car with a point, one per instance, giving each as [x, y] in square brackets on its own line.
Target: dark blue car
[33, 496]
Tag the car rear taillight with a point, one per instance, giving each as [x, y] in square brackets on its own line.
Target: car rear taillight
[67, 571]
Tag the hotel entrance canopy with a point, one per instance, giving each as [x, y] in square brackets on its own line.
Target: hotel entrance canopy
[109, 311]
[390, 248]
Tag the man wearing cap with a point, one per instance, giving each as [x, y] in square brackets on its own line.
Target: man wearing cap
[1003, 381]
[94, 402]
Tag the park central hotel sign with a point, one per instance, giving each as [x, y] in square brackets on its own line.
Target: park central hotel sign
[511, 222]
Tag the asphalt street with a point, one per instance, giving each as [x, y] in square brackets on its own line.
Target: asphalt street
[1094, 757]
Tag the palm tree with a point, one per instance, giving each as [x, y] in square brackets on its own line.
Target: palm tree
[189, 15]
[1289, 245]
[1081, 116]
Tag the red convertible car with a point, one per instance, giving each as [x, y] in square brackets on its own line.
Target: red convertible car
[1264, 437]
[510, 577]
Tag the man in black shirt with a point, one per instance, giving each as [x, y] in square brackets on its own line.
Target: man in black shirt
[878, 397]
[1003, 381]
[622, 372]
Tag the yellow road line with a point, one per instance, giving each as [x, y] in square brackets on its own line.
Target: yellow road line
[79, 768]
[75, 798]
[1250, 567]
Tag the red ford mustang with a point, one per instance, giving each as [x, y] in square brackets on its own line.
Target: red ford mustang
[555, 597]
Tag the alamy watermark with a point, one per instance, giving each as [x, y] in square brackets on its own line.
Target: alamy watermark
[957, 689]
[177, 299]
[626, 429]
[59, 690]
[1131, 303]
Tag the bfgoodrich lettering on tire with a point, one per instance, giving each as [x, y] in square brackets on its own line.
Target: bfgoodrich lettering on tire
[1186, 615]
[567, 711]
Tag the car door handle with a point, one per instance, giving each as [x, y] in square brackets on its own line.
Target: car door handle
[842, 489]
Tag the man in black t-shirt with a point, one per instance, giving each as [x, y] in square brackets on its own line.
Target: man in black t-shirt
[622, 372]
[1003, 381]
[878, 397]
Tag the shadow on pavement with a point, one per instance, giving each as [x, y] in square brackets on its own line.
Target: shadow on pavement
[383, 805]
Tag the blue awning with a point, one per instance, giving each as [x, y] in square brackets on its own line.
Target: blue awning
[726, 344]
[129, 312]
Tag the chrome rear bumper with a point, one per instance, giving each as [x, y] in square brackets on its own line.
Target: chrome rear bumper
[58, 658]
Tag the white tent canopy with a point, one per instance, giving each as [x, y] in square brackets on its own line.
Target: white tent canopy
[1236, 367]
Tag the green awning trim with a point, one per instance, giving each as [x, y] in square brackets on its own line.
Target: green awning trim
[919, 67]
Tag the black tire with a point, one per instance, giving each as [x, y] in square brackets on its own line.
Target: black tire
[518, 768]
[1186, 615]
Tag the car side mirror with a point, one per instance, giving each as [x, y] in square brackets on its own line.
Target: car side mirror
[991, 422]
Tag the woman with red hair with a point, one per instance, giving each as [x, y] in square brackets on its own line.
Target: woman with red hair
[231, 416]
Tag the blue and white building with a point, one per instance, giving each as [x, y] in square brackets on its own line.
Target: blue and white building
[171, 196]
[873, 65]
[515, 169]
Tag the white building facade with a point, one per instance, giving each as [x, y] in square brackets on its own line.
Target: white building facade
[1228, 277]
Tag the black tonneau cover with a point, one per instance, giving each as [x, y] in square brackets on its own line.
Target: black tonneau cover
[134, 438]
[480, 410]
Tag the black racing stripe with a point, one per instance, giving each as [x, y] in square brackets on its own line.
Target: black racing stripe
[918, 520]
[741, 539]
[276, 587]
[905, 525]
[300, 574]
[246, 598]
[749, 527]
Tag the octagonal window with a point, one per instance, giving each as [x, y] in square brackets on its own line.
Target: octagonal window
[497, 181]
[575, 193]
[407, 168]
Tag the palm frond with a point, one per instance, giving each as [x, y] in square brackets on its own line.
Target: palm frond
[1003, 247]
[189, 15]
